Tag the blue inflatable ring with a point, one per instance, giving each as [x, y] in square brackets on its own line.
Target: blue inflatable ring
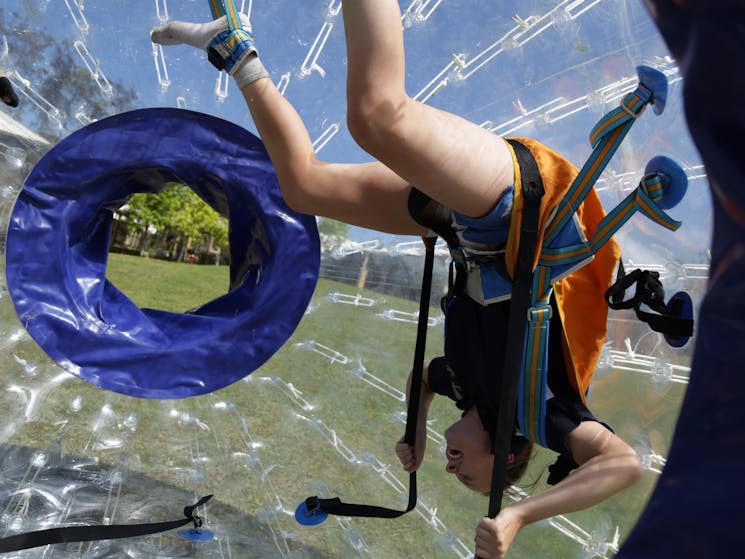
[58, 242]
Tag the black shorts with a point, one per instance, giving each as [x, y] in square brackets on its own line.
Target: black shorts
[475, 342]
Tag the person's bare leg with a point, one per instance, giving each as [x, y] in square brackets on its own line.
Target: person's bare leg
[452, 160]
[368, 195]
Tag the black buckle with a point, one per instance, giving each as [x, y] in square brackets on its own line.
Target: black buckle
[214, 56]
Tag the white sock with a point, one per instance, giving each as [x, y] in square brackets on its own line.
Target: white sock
[248, 70]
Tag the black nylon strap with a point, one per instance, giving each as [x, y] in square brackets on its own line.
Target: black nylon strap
[67, 534]
[433, 215]
[649, 292]
[532, 189]
[337, 506]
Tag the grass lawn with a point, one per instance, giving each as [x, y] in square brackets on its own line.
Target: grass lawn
[169, 286]
[320, 417]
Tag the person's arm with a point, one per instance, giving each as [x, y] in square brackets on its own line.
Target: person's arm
[607, 466]
[367, 195]
[411, 458]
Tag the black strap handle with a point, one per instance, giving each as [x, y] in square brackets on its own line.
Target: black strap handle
[649, 292]
[68, 534]
[337, 506]
[532, 189]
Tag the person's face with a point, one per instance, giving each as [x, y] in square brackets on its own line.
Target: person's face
[468, 452]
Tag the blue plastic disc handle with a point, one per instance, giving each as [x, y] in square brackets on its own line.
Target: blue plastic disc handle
[656, 82]
[309, 518]
[681, 306]
[674, 180]
[200, 535]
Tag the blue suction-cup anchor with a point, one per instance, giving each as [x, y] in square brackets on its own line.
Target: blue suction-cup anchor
[656, 82]
[674, 180]
[681, 306]
[197, 535]
[309, 518]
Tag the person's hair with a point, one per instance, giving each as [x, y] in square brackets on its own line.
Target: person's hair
[517, 469]
[523, 451]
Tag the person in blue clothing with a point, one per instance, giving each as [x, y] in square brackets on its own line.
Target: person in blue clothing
[467, 377]
[464, 168]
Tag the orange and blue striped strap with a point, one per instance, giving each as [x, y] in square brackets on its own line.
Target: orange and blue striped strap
[531, 400]
[643, 199]
[531, 410]
[605, 139]
[221, 8]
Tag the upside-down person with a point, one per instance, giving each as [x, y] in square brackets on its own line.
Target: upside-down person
[466, 174]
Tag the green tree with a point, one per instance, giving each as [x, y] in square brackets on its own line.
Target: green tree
[332, 233]
[154, 210]
[54, 70]
[177, 215]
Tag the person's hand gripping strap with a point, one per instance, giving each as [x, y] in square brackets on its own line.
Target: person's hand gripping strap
[233, 51]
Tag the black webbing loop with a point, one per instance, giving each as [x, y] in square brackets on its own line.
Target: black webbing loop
[433, 215]
[337, 506]
[649, 292]
[532, 189]
[68, 534]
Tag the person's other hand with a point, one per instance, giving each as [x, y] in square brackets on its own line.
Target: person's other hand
[410, 458]
[7, 93]
[494, 535]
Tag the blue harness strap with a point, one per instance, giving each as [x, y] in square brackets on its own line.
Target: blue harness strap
[221, 8]
[643, 199]
[230, 45]
[605, 139]
[217, 8]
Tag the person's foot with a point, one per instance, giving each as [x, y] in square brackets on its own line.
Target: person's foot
[7, 93]
[230, 50]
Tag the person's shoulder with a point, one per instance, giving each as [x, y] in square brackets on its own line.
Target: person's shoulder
[564, 415]
[569, 405]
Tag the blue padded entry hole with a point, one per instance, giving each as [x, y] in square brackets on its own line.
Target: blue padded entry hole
[58, 246]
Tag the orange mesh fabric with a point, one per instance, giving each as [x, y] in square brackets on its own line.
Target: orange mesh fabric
[580, 297]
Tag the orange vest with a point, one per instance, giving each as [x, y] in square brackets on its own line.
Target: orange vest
[580, 296]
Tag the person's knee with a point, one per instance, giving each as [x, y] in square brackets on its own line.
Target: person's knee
[294, 184]
[296, 197]
[373, 118]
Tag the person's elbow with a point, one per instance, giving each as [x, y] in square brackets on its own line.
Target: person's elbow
[374, 119]
[629, 468]
[300, 187]
[296, 196]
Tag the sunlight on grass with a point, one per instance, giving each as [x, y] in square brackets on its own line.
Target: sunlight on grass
[164, 285]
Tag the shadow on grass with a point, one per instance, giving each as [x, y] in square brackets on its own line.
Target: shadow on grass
[39, 491]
